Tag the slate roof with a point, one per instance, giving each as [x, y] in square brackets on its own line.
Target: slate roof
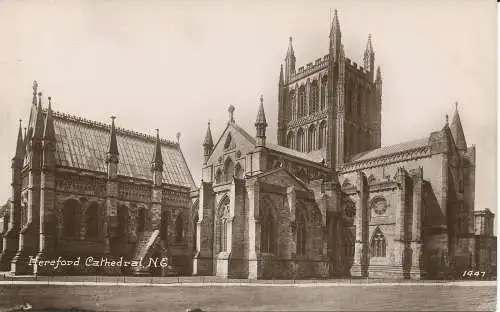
[392, 149]
[83, 144]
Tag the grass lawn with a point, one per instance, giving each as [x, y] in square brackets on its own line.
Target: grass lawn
[123, 298]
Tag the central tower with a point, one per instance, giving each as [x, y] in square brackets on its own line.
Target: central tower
[331, 107]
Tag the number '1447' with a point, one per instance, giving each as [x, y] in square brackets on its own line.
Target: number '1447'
[473, 274]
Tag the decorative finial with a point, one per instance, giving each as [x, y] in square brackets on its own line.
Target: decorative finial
[50, 100]
[113, 119]
[261, 99]
[456, 105]
[231, 112]
[447, 119]
[20, 121]
[157, 132]
[35, 86]
[178, 136]
[290, 39]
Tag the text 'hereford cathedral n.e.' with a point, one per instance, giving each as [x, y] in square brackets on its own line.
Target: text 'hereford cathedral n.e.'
[325, 201]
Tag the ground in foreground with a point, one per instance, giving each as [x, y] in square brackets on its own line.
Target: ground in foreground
[263, 298]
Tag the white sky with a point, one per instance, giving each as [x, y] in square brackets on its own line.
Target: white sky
[174, 65]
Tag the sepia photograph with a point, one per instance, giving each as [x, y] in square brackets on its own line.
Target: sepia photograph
[324, 155]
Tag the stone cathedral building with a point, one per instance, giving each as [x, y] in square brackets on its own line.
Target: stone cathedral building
[84, 188]
[328, 199]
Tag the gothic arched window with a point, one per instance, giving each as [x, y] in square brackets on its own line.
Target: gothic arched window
[218, 176]
[322, 135]
[323, 92]
[314, 97]
[24, 213]
[92, 220]
[302, 102]
[180, 231]
[300, 140]
[267, 230]
[238, 171]
[290, 139]
[223, 223]
[301, 231]
[71, 220]
[378, 244]
[122, 216]
[292, 113]
[228, 170]
[311, 138]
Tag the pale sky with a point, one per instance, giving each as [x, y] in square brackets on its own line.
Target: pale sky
[176, 64]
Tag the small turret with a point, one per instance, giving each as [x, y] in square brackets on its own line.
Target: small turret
[49, 139]
[19, 144]
[369, 57]
[49, 132]
[38, 125]
[457, 131]
[261, 125]
[112, 156]
[157, 162]
[208, 144]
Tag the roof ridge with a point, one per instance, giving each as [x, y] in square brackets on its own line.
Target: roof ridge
[119, 130]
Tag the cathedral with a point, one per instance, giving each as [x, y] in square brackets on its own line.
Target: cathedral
[326, 201]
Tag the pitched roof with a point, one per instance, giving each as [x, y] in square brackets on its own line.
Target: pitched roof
[83, 144]
[392, 149]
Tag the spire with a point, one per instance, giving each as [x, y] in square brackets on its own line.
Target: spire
[335, 27]
[261, 116]
[157, 163]
[113, 146]
[208, 144]
[19, 144]
[378, 77]
[49, 132]
[39, 122]
[335, 35]
[208, 138]
[457, 131]
[369, 57]
[281, 75]
[289, 60]
[261, 124]
[35, 89]
[290, 51]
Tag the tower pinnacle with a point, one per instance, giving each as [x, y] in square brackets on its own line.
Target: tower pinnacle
[157, 163]
[113, 146]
